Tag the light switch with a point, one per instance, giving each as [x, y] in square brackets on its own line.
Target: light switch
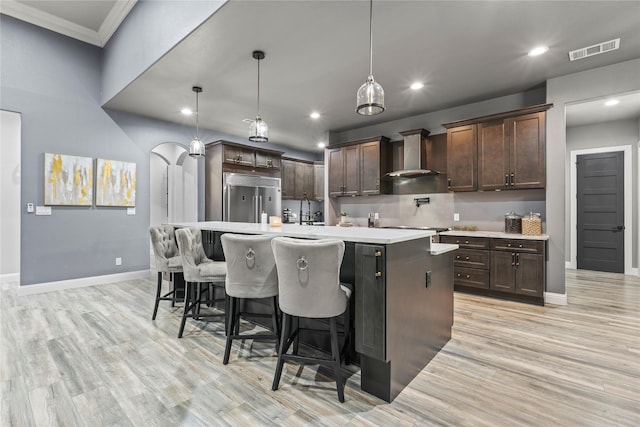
[43, 210]
[131, 211]
[456, 216]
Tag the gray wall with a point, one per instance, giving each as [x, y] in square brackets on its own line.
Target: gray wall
[600, 82]
[617, 133]
[150, 30]
[54, 82]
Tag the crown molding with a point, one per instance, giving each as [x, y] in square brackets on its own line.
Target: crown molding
[113, 20]
[50, 22]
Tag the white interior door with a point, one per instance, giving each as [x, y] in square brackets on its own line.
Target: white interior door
[10, 204]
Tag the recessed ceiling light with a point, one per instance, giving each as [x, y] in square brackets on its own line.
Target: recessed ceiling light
[612, 102]
[538, 50]
[314, 115]
[186, 111]
[417, 85]
[321, 145]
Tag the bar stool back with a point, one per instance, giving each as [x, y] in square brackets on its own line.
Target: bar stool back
[167, 256]
[309, 287]
[251, 273]
[198, 270]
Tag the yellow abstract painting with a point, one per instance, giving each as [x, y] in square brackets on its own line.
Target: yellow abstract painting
[115, 183]
[68, 180]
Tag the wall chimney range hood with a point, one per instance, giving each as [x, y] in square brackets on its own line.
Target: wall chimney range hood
[414, 156]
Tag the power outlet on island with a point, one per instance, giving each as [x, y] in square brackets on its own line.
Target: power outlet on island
[118, 261]
[456, 216]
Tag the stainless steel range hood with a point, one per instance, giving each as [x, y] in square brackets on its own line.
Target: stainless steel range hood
[414, 161]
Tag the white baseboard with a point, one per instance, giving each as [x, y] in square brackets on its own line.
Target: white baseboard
[633, 272]
[553, 298]
[82, 282]
[567, 264]
[13, 277]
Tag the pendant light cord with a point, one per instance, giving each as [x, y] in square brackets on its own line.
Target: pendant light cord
[258, 103]
[197, 111]
[371, 37]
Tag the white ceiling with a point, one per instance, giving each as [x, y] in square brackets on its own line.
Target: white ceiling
[317, 57]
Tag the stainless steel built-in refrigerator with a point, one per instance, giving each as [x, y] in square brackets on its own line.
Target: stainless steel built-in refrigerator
[245, 197]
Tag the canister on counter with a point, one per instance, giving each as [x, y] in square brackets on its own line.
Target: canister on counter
[532, 224]
[512, 223]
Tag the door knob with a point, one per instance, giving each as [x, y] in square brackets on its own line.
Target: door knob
[618, 228]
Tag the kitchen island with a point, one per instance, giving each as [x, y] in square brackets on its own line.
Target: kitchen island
[402, 305]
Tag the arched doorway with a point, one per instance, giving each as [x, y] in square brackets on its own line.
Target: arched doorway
[173, 185]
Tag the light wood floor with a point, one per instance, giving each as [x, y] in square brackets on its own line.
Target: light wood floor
[92, 357]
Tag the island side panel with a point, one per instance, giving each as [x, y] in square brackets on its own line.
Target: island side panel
[419, 314]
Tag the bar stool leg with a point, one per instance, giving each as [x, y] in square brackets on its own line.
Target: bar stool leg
[231, 326]
[187, 307]
[296, 330]
[158, 292]
[335, 351]
[286, 325]
[274, 317]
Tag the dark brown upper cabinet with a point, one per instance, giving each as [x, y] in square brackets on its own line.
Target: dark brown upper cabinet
[355, 168]
[268, 159]
[297, 179]
[510, 151]
[462, 158]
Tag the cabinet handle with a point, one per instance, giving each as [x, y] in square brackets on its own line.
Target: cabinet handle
[458, 257]
[517, 260]
[468, 276]
[506, 179]
[512, 179]
[457, 242]
[449, 182]
[508, 245]
[466, 258]
[466, 242]
[378, 274]
[378, 253]
[513, 258]
[519, 246]
[459, 275]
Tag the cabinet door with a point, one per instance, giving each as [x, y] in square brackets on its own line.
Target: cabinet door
[529, 274]
[336, 172]
[462, 158]
[370, 168]
[318, 181]
[351, 170]
[527, 151]
[503, 271]
[230, 154]
[247, 157]
[307, 180]
[268, 160]
[493, 156]
[288, 179]
[370, 301]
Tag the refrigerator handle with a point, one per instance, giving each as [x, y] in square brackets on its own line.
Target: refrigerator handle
[254, 201]
[259, 216]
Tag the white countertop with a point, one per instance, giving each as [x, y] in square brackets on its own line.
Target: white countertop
[442, 248]
[383, 236]
[494, 234]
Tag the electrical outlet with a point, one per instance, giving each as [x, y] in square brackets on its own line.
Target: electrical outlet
[30, 208]
[118, 261]
[131, 211]
[456, 216]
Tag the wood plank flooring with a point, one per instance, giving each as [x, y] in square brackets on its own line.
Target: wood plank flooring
[93, 357]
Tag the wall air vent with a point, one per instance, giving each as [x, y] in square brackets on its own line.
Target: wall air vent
[596, 49]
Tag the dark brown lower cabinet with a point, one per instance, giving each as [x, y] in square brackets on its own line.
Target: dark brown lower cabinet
[506, 268]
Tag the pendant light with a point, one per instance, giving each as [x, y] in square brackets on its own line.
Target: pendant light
[370, 98]
[258, 131]
[196, 148]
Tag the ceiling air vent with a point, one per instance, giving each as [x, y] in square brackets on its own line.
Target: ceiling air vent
[596, 49]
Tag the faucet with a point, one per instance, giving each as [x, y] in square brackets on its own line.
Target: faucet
[308, 205]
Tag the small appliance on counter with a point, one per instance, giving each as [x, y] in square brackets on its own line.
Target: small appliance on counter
[287, 216]
[512, 223]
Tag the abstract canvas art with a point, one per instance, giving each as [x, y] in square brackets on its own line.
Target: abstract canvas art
[115, 183]
[68, 180]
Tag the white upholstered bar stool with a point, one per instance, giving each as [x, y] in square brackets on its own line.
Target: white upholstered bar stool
[309, 287]
[167, 256]
[251, 274]
[198, 270]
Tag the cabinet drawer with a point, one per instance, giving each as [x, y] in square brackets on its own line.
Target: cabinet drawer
[471, 258]
[530, 246]
[466, 242]
[471, 277]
